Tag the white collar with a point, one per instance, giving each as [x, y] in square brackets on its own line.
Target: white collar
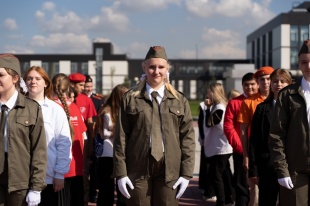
[161, 90]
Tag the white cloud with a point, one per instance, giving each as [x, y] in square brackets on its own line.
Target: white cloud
[10, 24]
[13, 49]
[63, 43]
[40, 15]
[244, 9]
[145, 5]
[48, 6]
[109, 20]
[218, 44]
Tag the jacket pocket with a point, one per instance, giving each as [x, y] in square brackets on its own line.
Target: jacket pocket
[137, 117]
[178, 111]
[25, 121]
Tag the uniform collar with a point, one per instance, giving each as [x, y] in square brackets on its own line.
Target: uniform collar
[161, 90]
[12, 101]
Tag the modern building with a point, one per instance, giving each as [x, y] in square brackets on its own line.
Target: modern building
[107, 69]
[277, 42]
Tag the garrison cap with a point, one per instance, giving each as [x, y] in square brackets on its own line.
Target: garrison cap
[305, 48]
[10, 61]
[77, 77]
[266, 70]
[156, 52]
[88, 78]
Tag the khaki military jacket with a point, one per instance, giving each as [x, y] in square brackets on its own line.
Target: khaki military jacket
[27, 156]
[132, 135]
[289, 140]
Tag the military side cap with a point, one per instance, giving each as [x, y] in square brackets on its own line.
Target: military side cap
[156, 52]
[88, 79]
[267, 70]
[305, 48]
[77, 77]
[10, 61]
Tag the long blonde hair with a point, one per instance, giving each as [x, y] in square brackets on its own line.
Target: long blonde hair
[218, 94]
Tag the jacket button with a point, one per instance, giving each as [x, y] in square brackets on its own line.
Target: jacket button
[178, 111]
[26, 122]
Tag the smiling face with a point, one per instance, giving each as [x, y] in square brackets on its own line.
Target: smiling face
[250, 87]
[156, 71]
[36, 85]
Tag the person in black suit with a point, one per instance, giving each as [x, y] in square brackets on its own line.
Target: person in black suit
[261, 171]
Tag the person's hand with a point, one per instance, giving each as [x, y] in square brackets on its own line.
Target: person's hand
[208, 102]
[183, 185]
[33, 198]
[254, 180]
[122, 186]
[58, 184]
[246, 163]
[286, 182]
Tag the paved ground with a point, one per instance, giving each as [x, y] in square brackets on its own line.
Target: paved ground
[192, 196]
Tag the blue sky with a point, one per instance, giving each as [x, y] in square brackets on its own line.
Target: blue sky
[214, 28]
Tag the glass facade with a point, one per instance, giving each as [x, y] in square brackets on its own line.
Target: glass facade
[298, 34]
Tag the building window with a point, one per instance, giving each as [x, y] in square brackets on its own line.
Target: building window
[270, 48]
[264, 50]
[294, 58]
[294, 35]
[45, 66]
[84, 68]
[55, 68]
[74, 67]
[304, 33]
[253, 51]
[258, 53]
[299, 33]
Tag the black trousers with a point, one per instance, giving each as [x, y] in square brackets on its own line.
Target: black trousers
[240, 181]
[51, 198]
[74, 189]
[203, 170]
[105, 182]
[268, 185]
[215, 175]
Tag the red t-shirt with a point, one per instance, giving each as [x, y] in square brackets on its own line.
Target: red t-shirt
[77, 162]
[77, 150]
[86, 106]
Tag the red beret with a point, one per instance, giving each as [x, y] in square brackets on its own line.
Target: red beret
[77, 77]
[267, 70]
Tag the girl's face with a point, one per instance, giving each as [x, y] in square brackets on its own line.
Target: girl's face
[35, 84]
[7, 82]
[156, 71]
[278, 83]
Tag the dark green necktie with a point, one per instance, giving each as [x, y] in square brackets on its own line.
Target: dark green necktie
[157, 147]
[2, 127]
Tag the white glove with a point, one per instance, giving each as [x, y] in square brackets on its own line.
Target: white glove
[183, 185]
[122, 186]
[286, 182]
[33, 198]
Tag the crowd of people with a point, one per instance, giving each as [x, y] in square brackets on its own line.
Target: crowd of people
[62, 145]
[266, 132]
